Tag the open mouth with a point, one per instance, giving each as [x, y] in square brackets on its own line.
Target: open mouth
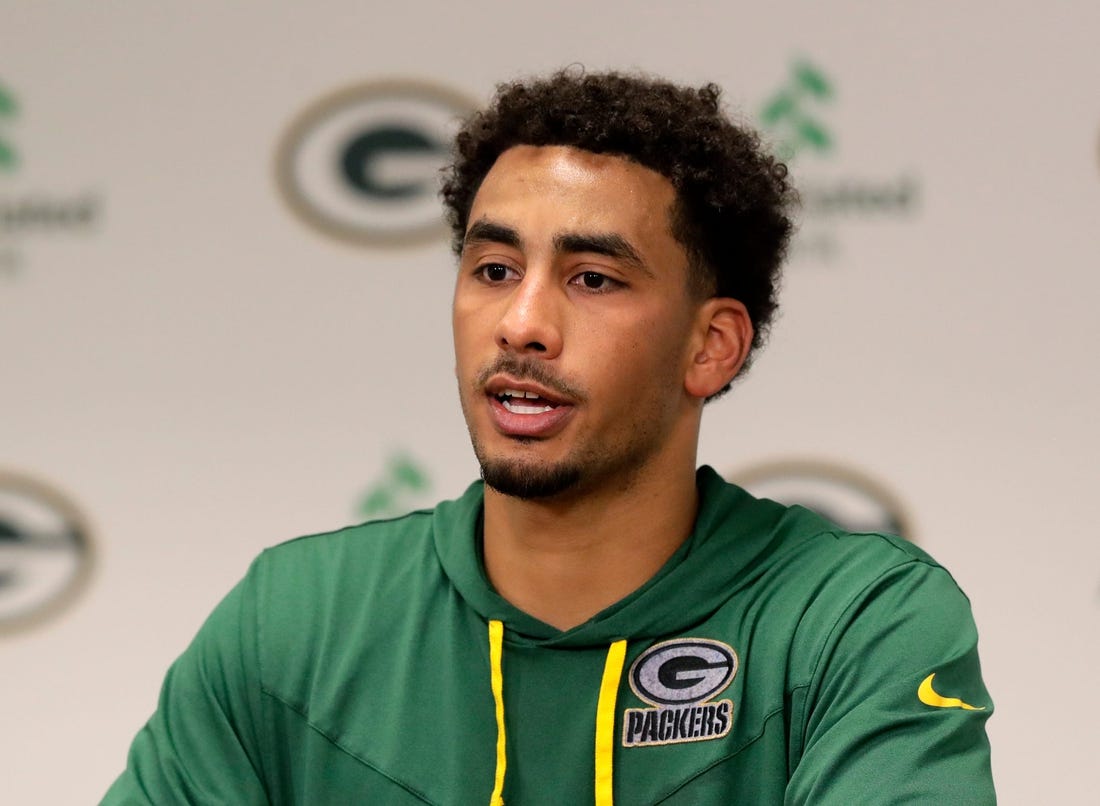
[526, 410]
[519, 402]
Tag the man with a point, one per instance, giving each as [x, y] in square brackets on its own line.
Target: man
[598, 621]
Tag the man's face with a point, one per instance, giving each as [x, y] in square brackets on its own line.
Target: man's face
[572, 322]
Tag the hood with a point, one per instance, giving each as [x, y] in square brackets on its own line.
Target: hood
[736, 537]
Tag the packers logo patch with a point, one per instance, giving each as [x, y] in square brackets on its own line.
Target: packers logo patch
[680, 678]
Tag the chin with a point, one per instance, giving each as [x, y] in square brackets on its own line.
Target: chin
[529, 481]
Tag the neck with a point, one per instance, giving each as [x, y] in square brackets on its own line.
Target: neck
[563, 561]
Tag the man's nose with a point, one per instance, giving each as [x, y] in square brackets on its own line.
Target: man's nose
[531, 323]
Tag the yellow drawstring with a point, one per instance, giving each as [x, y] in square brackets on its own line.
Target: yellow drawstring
[605, 721]
[605, 715]
[496, 651]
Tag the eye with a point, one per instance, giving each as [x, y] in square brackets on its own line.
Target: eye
[495, 272]
[594, 281]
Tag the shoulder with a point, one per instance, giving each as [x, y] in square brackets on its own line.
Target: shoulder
[819, 579]
[360, 557]
[359, 548]
[328, 601]
[851, 563]
[322, 577]
[873, 601]
[309, 590]
[797, 543]
[864, 583]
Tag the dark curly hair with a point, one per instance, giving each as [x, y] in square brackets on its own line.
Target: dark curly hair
[733, 198]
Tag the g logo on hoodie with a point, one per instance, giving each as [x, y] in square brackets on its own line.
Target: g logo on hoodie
[679, 678]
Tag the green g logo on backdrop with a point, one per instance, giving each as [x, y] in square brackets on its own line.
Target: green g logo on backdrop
[362, 164]
[838, 492]
[45, 551]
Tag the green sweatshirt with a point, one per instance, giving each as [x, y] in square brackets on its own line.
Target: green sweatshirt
[774, 659]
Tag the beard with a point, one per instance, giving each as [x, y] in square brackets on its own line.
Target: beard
[587, 468]
[520, 480]
[511, 476]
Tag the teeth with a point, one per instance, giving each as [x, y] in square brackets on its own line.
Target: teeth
[517, 408]
[518, 393]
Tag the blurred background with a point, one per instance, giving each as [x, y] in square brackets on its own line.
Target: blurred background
[224, 316]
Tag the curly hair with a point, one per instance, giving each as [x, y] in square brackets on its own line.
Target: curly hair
[732, 197]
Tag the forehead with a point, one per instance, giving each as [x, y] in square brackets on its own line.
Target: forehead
[563, 188]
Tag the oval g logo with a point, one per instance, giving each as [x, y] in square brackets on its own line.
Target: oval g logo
[839, 493]
[45, 551]
[362, 164]
[683, 670]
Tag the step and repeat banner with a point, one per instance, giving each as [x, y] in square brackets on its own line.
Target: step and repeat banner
[224, 317]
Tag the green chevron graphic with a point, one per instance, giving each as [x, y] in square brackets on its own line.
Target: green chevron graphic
[402, 482]
[786, 116]
[8, 109]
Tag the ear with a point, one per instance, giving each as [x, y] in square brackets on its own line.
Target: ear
[721, 345]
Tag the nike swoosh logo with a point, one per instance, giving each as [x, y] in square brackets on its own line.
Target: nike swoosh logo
[928, 696]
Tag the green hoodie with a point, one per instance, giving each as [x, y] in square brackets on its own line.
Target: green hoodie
[774, 659]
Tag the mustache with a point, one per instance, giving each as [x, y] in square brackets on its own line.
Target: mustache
[529, 370]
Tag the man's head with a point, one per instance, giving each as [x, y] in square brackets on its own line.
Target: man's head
[619, 243]
[733, 199]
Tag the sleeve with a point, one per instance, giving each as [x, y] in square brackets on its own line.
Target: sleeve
[201, 746]
[896, 710]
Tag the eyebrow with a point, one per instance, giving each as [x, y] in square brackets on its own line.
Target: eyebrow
[599, 243]
[484, 231]
[609, 244]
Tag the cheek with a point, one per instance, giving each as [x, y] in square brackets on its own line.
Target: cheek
[468, 324]
[465, 359]
[659, 340]
[644, 355]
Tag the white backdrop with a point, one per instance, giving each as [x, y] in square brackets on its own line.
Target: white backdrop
[203, 374]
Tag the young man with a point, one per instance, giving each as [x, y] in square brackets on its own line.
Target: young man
[598, 621]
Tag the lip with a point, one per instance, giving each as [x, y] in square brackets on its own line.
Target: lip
[533, 426]
[499, 383]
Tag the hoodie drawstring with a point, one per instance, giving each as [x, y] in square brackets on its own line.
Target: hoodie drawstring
[605, 721]
[605, 715]
[496, 651]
